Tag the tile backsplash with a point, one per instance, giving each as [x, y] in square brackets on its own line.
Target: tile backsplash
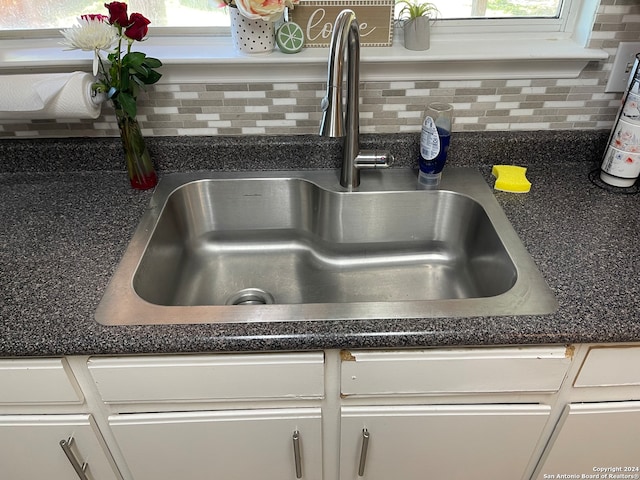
[387, 107]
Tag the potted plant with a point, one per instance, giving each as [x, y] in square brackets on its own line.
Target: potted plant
[253, 23]
[415, 17]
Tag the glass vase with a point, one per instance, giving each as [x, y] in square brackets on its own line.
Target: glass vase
[142, 173]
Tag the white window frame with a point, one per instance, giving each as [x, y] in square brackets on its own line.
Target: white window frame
[473, 49]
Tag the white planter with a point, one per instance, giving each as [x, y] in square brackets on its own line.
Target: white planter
[417, 33]
[251, 36]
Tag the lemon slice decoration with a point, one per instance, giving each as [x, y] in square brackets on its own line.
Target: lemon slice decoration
[290, 37]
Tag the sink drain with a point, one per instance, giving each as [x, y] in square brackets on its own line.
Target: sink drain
[250, 296]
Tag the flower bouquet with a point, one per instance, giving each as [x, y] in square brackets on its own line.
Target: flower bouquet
[267, 10]
[120, 76]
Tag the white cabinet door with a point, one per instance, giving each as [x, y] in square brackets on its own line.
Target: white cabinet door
[221, 445]
[481, 442]
[594, 436]
[30, 447]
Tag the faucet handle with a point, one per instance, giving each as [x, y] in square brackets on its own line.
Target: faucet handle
[373, 159]
[332, 124]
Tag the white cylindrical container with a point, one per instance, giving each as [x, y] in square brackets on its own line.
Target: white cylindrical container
[631, 108]
[251, 36]
[626, 136]
[621, 162]
[620, 168]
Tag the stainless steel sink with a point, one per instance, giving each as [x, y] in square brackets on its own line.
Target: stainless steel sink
[285, 246]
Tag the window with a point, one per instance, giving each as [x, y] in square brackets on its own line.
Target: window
[474, 39]
[498, 8]
[46, 14]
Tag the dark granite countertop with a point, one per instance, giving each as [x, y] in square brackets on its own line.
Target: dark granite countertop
[67, 214]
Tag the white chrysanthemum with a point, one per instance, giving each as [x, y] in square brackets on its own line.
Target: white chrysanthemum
[90, 35]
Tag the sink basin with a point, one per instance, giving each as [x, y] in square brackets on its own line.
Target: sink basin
[284, 246]
[299, 243]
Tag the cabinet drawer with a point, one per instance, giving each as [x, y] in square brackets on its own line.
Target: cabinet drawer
[610, 366]
[43, 380]
[209, 377]
[539, 369]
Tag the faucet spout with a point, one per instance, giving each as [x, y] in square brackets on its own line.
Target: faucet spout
[335, 123]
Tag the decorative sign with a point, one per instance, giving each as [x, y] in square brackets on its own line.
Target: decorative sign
[316, 17]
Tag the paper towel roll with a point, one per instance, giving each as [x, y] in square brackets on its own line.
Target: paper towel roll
[48, 96]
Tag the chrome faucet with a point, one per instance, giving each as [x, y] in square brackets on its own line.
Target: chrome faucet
[346, 35]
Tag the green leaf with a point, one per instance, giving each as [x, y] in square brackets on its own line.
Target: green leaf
[151, 62]
[138, 70]
[139, 82]
[133, 59]
[128, 104]
[113, 72]
[151, 77]
[124, 82]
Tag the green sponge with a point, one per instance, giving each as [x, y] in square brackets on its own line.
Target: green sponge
[510, 178]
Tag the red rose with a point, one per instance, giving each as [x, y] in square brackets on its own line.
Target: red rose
[137, 28]
[117, 13]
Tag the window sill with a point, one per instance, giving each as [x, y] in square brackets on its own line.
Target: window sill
[212, 59]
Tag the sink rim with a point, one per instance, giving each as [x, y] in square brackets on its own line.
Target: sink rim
[530, 295]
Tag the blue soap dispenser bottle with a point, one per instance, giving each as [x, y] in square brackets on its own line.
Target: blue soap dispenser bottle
[434, 144]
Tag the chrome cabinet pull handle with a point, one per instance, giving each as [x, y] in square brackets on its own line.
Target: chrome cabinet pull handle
[77, 466]
[363, 452]
[296, 453]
